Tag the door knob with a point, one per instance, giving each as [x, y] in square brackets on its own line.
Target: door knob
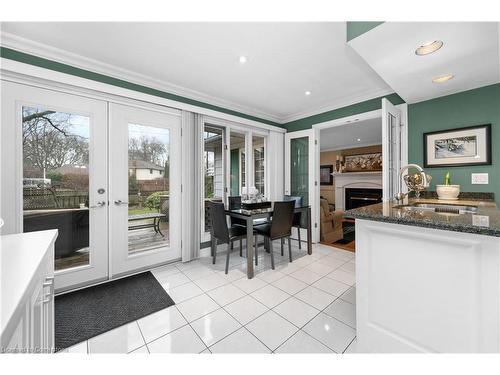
[120, 202]
[99, 204]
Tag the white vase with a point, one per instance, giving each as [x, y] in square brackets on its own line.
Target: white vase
[448, 192]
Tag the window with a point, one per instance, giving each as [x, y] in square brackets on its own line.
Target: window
[259, 163]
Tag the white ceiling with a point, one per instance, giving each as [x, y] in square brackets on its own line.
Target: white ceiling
[470, 52]
[200, 61]
[346, 136]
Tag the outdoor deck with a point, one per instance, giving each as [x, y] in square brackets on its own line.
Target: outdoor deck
[138, 240]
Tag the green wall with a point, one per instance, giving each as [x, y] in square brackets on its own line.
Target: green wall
[473, 107]
[366, 106]
[356, 28]
[68, 69]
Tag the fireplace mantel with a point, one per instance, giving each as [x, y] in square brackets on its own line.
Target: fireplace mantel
[365, 180]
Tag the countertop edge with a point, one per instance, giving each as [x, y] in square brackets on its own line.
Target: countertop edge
[426, 224]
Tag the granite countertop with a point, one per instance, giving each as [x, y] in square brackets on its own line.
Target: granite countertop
[485, 221]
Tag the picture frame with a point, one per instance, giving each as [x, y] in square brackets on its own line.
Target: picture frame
[458, 147]
[325, 175]
[359, 163]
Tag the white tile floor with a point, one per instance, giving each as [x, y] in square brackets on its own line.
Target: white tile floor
[307, 306]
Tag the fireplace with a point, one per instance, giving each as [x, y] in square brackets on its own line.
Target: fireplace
[359, 197]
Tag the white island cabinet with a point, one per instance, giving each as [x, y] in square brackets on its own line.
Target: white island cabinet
[27, 292]
[427, 290]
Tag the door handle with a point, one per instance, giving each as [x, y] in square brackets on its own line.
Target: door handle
[120, 202]
[99, 204]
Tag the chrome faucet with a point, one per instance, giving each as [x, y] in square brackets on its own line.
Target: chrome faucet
[399, 196]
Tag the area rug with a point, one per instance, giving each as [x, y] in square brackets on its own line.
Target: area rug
[89, 312]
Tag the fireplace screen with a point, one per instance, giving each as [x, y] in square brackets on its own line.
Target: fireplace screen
[359, 197]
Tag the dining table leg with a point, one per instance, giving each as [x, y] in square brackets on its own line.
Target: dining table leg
[250, 249]
[309, 231]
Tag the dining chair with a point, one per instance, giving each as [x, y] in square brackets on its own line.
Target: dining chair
[234, 203]
[220, 232]
[297, 217]
[279, 228]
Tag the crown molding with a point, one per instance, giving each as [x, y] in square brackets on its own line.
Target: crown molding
[52, 53]
[344, 102]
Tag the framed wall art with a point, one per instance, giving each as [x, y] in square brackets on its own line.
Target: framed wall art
[458, 147]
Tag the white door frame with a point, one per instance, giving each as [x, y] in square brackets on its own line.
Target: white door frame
[14, 96]
[347, 120]
[311, 188]
[121, 262]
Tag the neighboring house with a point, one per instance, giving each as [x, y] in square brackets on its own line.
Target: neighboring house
[145, 170]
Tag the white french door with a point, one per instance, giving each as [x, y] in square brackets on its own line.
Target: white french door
[394, 144]
[299, 172]
[54, 176]
[109, 182]
[145, 188]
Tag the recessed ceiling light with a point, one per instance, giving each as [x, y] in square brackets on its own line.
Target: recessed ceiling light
[443, 78]
[243, 59]
[359, 139]
[428, 48]
[307, 93]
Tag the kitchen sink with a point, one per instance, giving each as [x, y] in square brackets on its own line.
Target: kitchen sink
[439, 207]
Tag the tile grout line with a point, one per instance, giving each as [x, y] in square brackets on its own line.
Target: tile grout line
[143, 338]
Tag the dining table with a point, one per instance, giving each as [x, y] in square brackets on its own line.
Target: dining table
[249, 215]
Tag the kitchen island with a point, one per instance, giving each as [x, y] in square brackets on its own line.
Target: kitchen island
[428, 276]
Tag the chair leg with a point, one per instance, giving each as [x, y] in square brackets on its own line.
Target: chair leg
[256, 247]
[214, 251]
[300, 245]
[271, 250]
[290, 249]
[282, 244]
[232, 245]
[241, 247]
[227, 257]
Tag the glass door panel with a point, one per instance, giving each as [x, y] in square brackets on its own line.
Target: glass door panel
[213, 171]
[299, 168]
[148, 187]
[259, 161]
[145, 194]
[299, 176]
[237, 163]
[56, 181]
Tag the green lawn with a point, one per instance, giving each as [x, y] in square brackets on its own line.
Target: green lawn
[136, 211]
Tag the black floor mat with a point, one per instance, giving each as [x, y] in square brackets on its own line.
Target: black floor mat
[89, 312]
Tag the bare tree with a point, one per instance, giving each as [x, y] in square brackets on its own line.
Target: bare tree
[48, 140]
[148, 149]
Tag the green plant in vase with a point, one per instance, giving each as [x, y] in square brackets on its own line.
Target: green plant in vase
[448, 191]
[447, 179]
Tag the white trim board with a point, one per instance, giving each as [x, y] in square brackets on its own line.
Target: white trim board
[55, 54]
[349, 119]
[357, 145]
[46, 78]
